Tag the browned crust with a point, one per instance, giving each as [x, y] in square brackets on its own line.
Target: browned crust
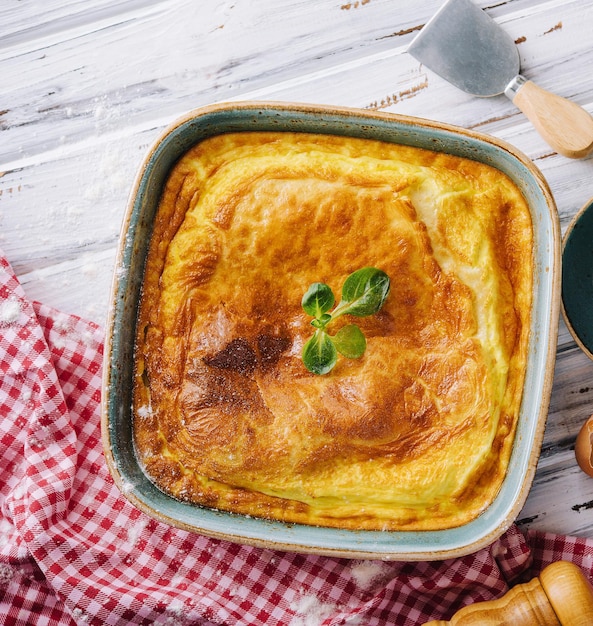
[415, 435]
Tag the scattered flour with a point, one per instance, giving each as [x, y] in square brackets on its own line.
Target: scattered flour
[121, 271]
[127, 487]
[367, 572]
[135, 531]
[62, 323]
[80, 615]
[310, 611]
[90, 270]
[176, 607]
[88, 339]
[238, 592]
[10, 311]
[144, 411]
[19, 490]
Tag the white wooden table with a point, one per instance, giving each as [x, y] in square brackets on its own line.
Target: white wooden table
[86, 86]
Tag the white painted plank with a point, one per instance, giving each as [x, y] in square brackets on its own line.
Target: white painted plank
[98, 81]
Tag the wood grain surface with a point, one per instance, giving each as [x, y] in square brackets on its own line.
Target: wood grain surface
[87, 86]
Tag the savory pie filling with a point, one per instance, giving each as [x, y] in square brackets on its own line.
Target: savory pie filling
[417, 433]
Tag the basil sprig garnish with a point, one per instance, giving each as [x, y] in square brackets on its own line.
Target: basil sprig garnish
[363, 294]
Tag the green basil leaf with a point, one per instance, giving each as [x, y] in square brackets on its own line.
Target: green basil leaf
[318, 299]
[363, 293]
[321, 321]
[350, 342]
[319, 353]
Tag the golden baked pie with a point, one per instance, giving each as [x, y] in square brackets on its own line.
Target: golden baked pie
[417, 433]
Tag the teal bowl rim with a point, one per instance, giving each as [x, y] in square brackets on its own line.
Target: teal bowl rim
[116, 397]
[574, 283]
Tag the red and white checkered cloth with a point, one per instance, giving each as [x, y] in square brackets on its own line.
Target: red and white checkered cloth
[73, 550]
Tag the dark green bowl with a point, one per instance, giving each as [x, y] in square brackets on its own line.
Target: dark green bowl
[577, 278]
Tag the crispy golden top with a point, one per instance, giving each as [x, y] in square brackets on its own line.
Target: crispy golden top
[417, 433]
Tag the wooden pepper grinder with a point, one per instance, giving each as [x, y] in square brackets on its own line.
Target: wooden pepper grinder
[561, 596]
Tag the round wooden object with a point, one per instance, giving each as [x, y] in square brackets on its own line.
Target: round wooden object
[561, 596]
[570, 593]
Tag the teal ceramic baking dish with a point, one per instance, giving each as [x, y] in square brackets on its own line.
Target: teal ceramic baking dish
[119, 353]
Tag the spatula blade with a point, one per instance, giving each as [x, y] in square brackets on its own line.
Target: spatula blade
[465, 46]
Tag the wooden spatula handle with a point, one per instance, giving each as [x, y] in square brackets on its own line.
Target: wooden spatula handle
[561, 596]
[565, 126]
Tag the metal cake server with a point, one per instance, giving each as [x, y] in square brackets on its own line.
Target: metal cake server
[464, 45]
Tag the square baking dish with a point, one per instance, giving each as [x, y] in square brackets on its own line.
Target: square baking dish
[121, 330]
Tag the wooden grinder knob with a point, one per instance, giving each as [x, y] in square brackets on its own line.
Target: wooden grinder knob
[561, 596]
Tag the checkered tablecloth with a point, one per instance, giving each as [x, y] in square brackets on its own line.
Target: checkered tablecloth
[73, 550]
